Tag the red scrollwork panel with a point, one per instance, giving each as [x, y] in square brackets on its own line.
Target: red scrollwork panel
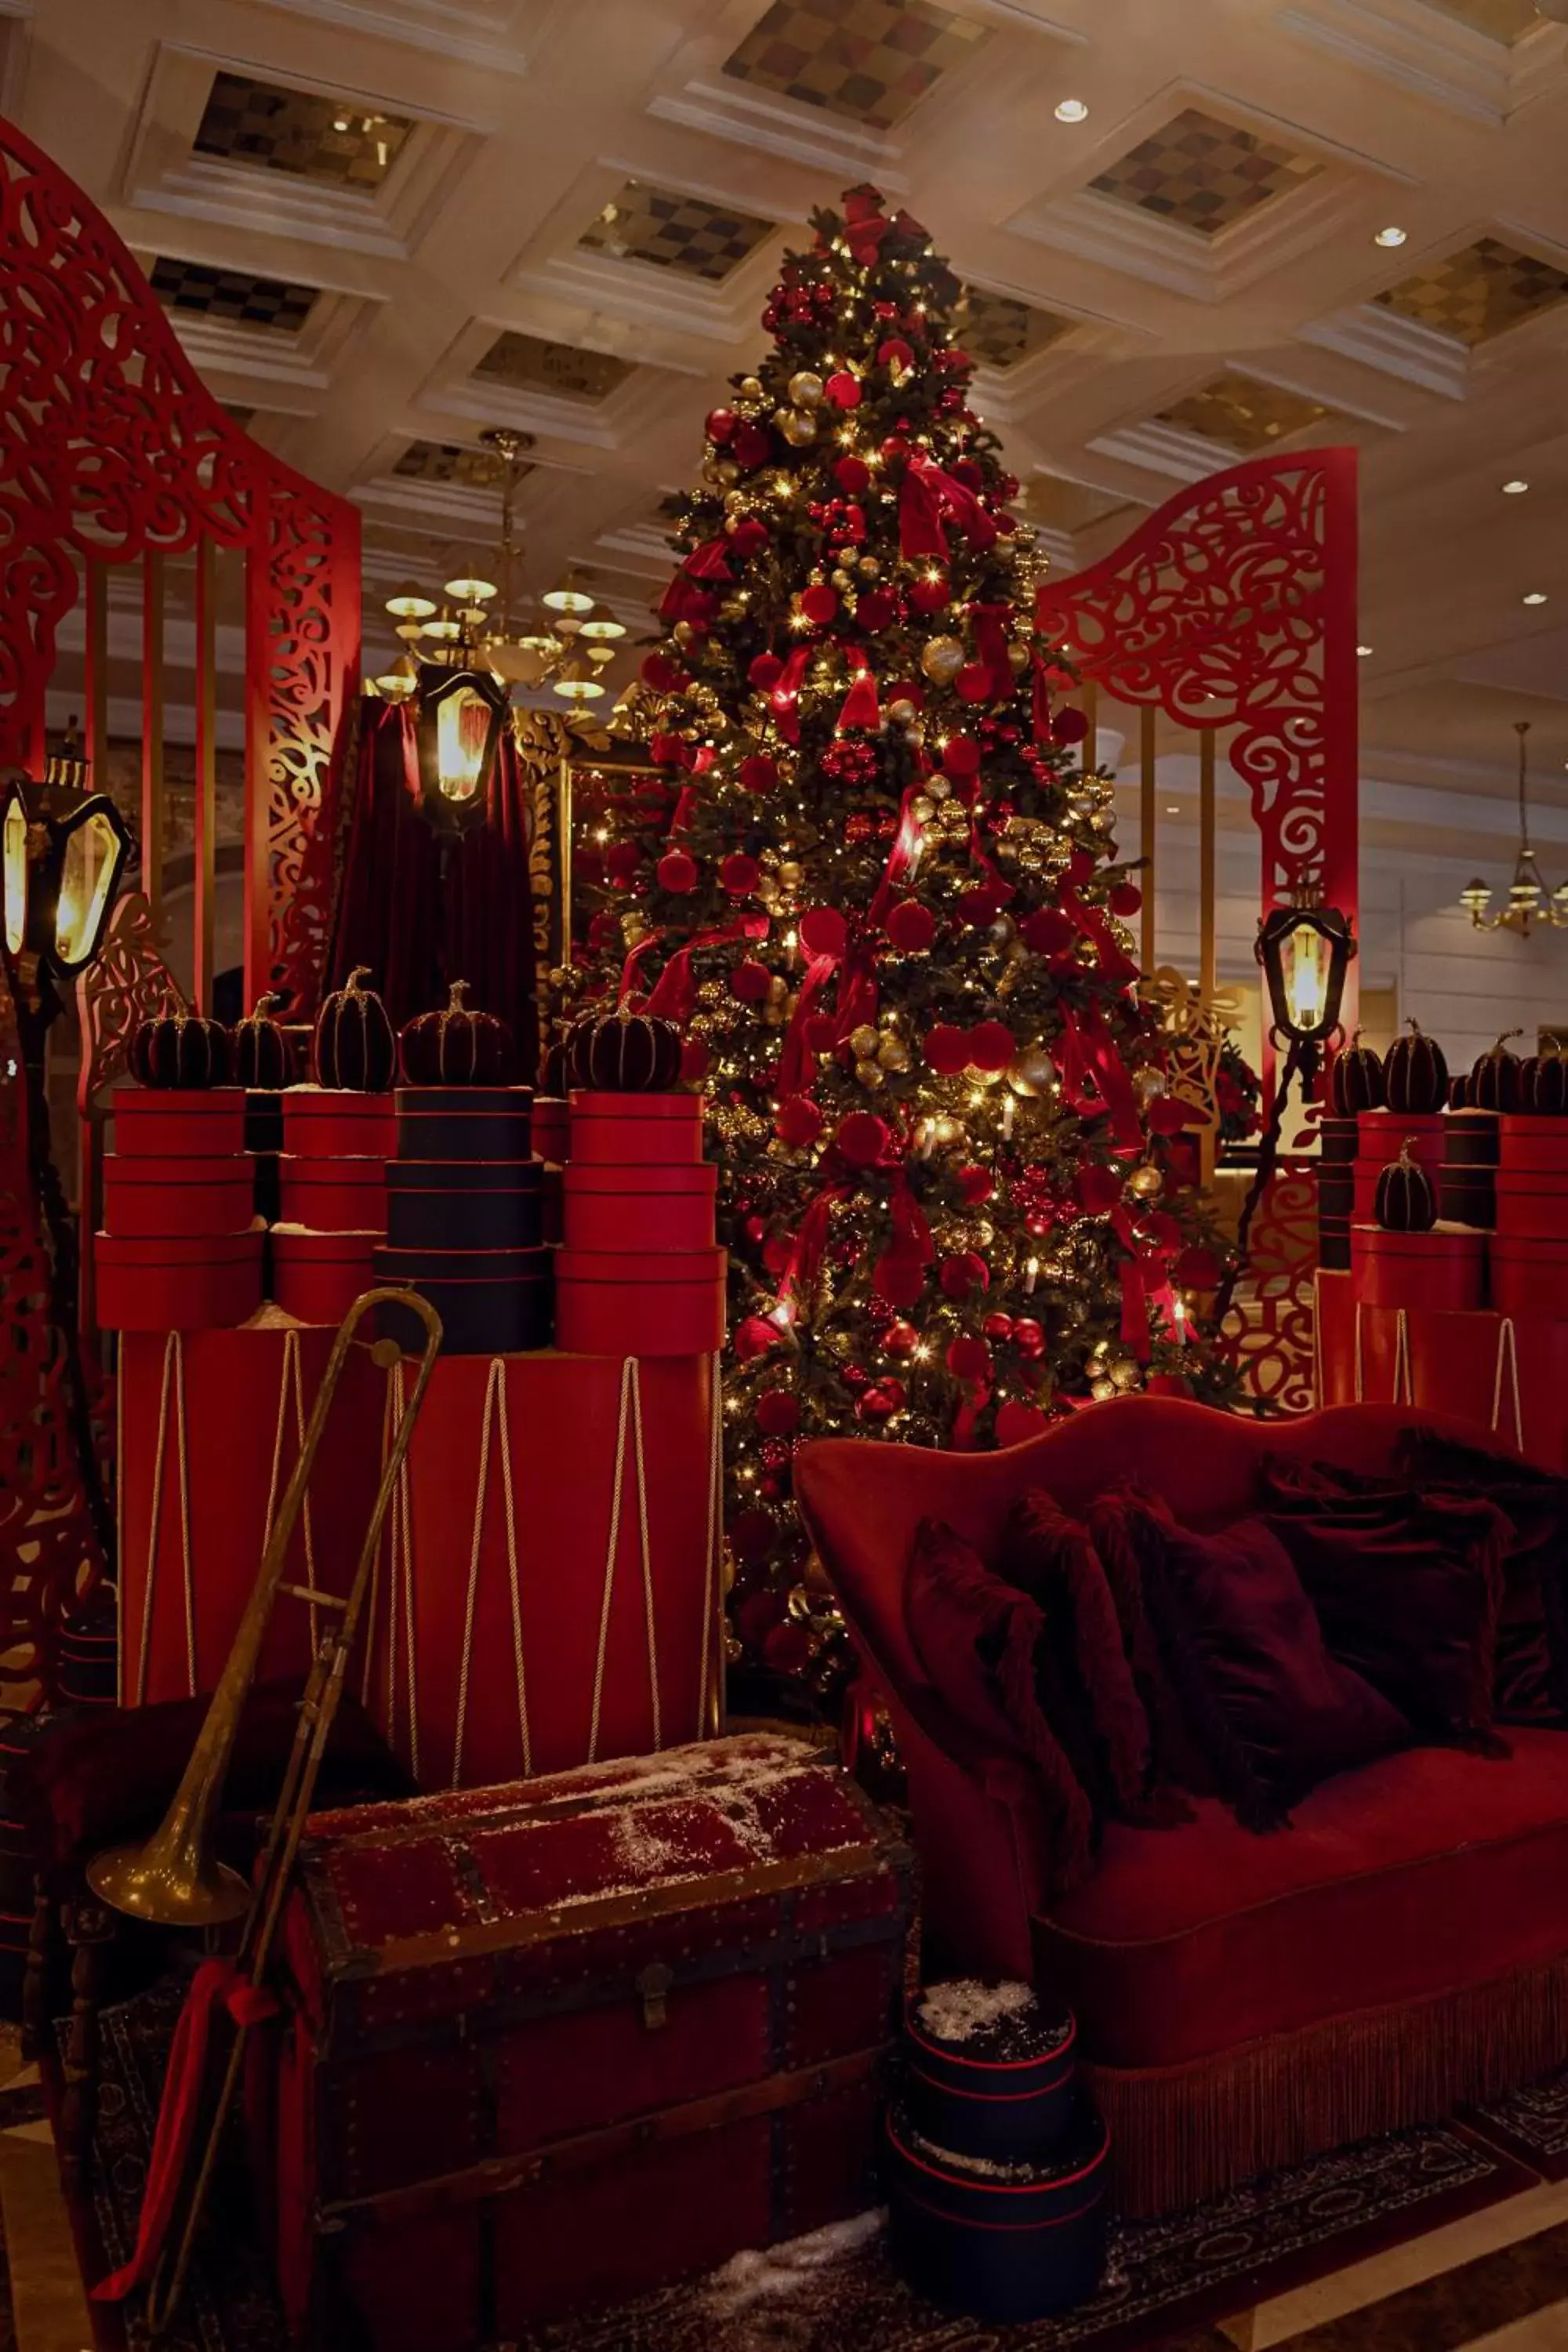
[1269, 1332]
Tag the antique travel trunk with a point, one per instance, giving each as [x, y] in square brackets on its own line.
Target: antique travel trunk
[555, 2042]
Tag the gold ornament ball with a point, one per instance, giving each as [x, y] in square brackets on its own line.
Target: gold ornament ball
[903, 712]
[954, 815]
[1003, 931]
[632, 928]
[791, 873]
[1017, 658]
[768, 889]
[1100, 1389]
[842, 581]
[751, 388]
[914, 737]
[939, 787]
[797, 425]
[941, 658]
[1149, 1085]
[893, 1054]
[681, 633]
[870, 1074]
[869, 567]
[922, 808]
[948, 1129]
[805, 389]
[1147, 1182]
[778, 988]
[1125, 1374]
[1031, 1072]
[863, 1041]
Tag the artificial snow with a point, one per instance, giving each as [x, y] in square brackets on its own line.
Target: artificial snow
[981, 2165]
[965, 2008]
[775, 2272]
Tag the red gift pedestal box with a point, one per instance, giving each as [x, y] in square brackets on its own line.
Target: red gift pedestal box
[146, 1194]
[1443, 1271]
[1381, 1136]
[1529, 1275]
[552, 1129]
[621, 1303]
[334, 1196]
[179, 1126]
[1533, 1203]
[634, 1130]
[208, 1429]
[179, 1282]
[652, 1208]
[330, 1123]
[1535, 1144]
[316, 1276]
[560, 1575]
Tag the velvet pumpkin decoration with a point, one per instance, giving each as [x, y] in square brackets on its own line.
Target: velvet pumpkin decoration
[553, 1077]
[459, 1046]
[180, 1049]
[1404, 1201]
[1461, 1094]
[1494, 1077]
[356, 1048]
[1548, 1094]
[1415, 1074]
[625, 1054]
[1355, 1082]
[262, 1059]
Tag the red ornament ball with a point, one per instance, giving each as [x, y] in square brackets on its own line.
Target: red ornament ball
[842, 389]
[1048, 931]
[750, 445]
[765, 670]
[819, 604]
[855, 1377]
[1016, 1422]
[694, 1060]
[876, 608]
[880, 1403]
[1028, 1337]
[998, 1328]
[1069, 726]
[823, 931]
[777, 1412]
[900, 1339]
[677, 871]
[930, 596]
[739, 875]
[750, 533]
[721, 423]
[960, 755]
[992, 1045]
[754, 1337]
[975, 1185]
[749, 981]
[861, 1138]
[911, 928]
[821, 1032]
[852, 475]
[965, 1271]
[621, 860]
[946, 1049]
[798, 1122]
[1196, 1269]
[759, 774]
[895, 352]
[1126, 899]
[660, 673]
[969, 1360]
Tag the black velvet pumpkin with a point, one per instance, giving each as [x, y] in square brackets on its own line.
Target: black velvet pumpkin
[554, 1076]
[1460, 1096]
[1548, 1086]
[354, 1045]
[1494, 1077]
[1355, 1082]
[625, 1054]
[459, 1046]
[262, 1058]
[181, 1049]
[1405, 1202]
[1415, 1074]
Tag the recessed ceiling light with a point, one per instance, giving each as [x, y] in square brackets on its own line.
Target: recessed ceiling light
[1514, 489]
[1390, 236]
[1173, 808]
[1363, 651]
[1536, 596]
[1072, 110]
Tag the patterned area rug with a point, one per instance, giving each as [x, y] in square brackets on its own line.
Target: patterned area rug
[1533, 2124]
[836, 2291]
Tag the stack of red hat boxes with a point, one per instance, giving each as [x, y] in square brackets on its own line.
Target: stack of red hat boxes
[180, 1248]
[638, 1272]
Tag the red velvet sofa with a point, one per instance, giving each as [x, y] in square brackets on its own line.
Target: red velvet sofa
[1243, 2002]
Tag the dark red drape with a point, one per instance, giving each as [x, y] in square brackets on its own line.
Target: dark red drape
[421, 909]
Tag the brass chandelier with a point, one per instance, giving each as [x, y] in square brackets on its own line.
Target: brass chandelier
[1528, 900]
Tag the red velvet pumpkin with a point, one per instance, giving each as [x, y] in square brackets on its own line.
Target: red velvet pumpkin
[457, 1047]
[1404, 1201]
[179, 1048]
[1494, 1077]
[625, 1054]
[262, 1058]
[1415, 1074]
[1355, 1082]
[354, 1046]
[1548, 1086]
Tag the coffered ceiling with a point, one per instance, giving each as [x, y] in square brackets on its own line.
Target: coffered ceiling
[382, 226]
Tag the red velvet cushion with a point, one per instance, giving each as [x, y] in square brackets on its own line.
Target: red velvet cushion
[1085, 1680]
[1407, 1589]
[1430, 1870]
[1124, 1526]
[1275, 1712]
[975, 1637]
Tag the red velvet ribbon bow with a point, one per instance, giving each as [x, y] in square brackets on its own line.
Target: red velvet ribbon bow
[708, 562]
[684, 600]
[824, 947]
[783, 701]
[1085, 1054]
[810, 1242]
[217, 1984]
[988, 622]
[901, 858]
[860, 708]
[929, 500]
[1116, 968]
[673, 996]
[900, 1272]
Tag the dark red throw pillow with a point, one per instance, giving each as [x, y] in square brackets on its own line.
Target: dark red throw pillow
[975, 1637]
[1124, 1527]
[1407, 1587]
[1085, 1681]
[1275, 1712]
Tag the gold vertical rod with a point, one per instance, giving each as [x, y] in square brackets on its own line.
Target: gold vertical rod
[563, 830]
[1206, 903]
[1092, 713]
[153, 730]
[206, 769]
[1146, 828]
[96, 681]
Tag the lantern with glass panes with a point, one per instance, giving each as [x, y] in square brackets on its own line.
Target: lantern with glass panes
[63, 849]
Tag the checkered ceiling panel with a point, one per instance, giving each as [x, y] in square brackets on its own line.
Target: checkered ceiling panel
[869, 59]
[533, 364]
[299, 131]
[448, 461]
[1477, 293]
[1246, 415]
[1203, 174]
[1001, 331]
[232, 294]
[1501, 20]
[642, 223]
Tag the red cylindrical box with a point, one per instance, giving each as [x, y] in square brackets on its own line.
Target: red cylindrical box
[145, 1193]
[1539, 1144]
[1436, 1270]
[330, 1123]
[1529, 1278]
[1380, 1138]
[630, 1130]
[552, 1128]
[620, 1303]
[172, 1126]
[316, 1276]
[1533, 1203]
[179, 1282]
[334, 1196]
[656, 1208]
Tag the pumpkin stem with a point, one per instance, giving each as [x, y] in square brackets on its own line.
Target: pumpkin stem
[1407, 1150]
[1415, 1028]
[267, 1002]
[1502, 1041]
[352, 985]
[457, 996]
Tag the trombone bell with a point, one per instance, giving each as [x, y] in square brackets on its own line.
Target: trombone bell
[171, 1883]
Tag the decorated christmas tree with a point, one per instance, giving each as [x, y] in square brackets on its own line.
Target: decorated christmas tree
[880, 891]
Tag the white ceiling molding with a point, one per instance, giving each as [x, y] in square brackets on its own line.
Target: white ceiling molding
[1115, 236]
[1431, 54]
[1379, 338]
[497, 36]
[1165, 449]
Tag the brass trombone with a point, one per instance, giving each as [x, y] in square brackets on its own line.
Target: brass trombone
[173, 1878]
